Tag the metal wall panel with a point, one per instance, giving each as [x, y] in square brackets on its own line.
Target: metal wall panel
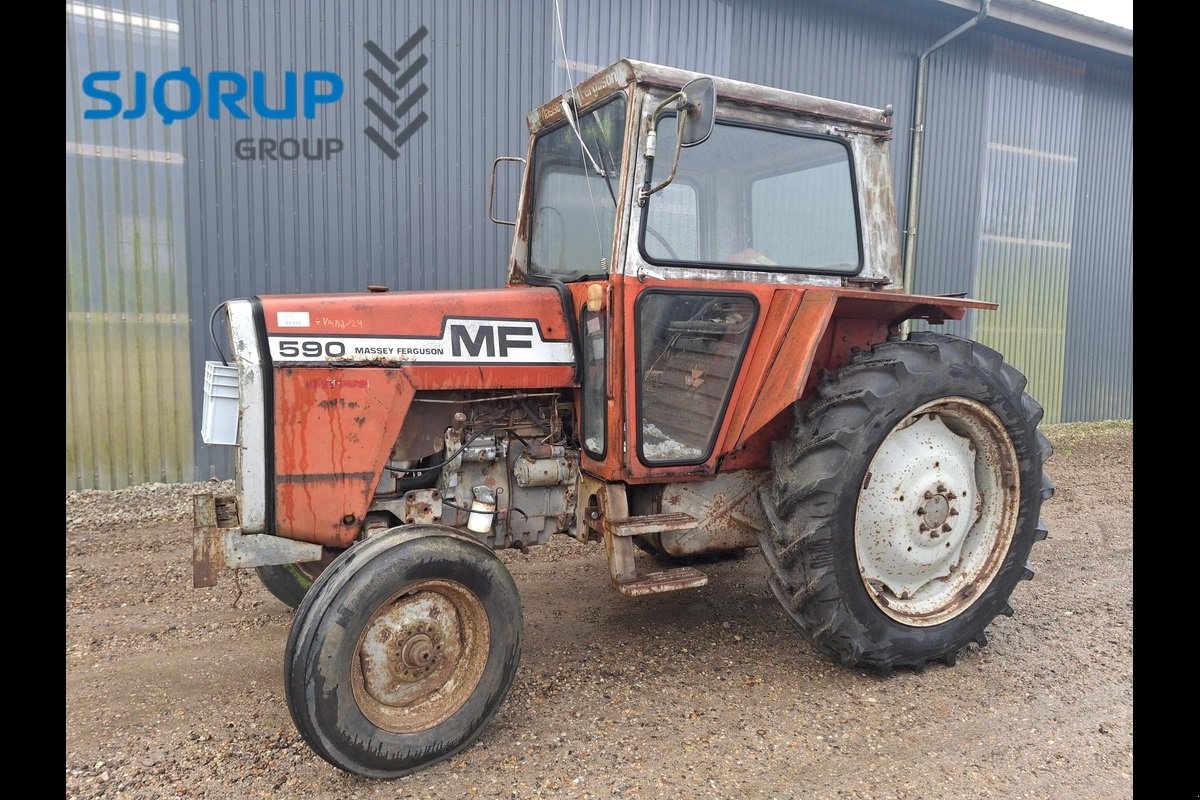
[1099, 349]
[1034, 112]
[128, 386]
[953, 169]
[1029, 153]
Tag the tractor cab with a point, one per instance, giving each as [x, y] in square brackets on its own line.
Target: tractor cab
[675, 224]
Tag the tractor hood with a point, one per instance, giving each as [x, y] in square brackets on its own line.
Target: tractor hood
[326, 383]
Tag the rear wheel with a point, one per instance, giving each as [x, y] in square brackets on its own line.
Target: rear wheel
[403, 650]
[904, 508]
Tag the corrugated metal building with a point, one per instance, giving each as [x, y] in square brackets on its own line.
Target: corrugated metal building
[129, 362]
[1026, 189]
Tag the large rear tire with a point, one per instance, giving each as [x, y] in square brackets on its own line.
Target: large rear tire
[403, 650]
[905, 505]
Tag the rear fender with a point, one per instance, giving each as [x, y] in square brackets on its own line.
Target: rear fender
[823, 333]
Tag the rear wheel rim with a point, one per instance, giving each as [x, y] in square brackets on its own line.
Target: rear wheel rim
[937, 511]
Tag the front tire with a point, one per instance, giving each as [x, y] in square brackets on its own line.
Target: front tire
[288, 583]
[403, 650]
[905, 505]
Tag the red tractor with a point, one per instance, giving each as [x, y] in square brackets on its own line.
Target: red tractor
[702, 347]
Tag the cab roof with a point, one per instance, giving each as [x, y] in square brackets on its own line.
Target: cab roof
[627, 71]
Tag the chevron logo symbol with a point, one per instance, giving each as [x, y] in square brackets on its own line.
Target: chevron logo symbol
[388, 130]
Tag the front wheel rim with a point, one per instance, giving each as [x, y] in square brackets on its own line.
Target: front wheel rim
[420, 656]
[937, 511]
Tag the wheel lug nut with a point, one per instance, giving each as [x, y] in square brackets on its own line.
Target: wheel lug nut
[923, 527]
[921, 512]
[946, 527]
[929, 495]
[954, 512]
[951, 496]
[941, 488]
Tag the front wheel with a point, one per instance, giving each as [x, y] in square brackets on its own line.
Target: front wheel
[905, 505]
[402, 651]
[288, 583]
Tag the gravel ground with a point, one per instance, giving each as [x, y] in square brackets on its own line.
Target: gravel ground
[708, 693]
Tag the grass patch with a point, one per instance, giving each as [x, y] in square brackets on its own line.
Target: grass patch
[129, 400]
[1067, 435]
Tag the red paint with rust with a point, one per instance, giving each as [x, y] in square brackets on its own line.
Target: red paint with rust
[334, 429]
[335, 424]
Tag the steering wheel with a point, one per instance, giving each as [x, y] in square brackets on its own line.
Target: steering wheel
[548, 231]
[663, 241]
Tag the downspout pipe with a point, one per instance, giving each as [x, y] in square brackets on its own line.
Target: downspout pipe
[918, 143]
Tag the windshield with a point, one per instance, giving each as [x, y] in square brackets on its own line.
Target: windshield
[574, 194]
[756, 198]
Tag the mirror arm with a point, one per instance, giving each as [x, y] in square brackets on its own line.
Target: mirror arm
[647, 190]
[652, 146]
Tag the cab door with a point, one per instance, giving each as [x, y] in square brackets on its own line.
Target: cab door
[685, 348]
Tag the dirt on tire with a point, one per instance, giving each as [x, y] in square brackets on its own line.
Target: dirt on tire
[814, 504]
[706, 693]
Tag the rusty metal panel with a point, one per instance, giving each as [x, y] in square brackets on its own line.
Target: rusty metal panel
[653, 523]
[328, 459]
[208, 552]
[727, 510]
[670, 580]
[128, 379]
[218, 542]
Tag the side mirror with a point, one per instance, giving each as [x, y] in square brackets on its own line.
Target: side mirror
[697, 111]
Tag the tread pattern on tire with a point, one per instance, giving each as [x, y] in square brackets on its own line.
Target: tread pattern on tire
[319, 610]
[285, 582]
[810, 501]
